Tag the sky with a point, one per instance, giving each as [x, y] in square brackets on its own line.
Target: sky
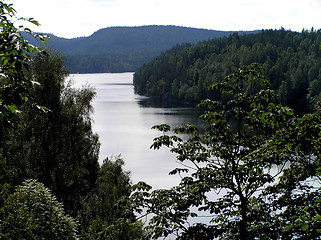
[77, 18]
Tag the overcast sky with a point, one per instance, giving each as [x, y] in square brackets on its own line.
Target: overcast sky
[75, 18]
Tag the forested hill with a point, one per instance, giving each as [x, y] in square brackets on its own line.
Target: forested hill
[120, 49]
[293, 61]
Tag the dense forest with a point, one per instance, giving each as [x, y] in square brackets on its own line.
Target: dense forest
[51, 183]
[251, 172]
[184, 73]
[125, 49]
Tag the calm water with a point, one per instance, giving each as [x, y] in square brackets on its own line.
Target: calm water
[124, 123]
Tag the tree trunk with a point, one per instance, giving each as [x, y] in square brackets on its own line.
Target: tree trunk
[244, 234]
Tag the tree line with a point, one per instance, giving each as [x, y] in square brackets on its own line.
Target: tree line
[185, 72]
[105, 63]
[252, 171]
[124, 49]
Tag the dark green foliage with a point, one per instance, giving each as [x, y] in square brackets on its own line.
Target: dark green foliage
[105, 214]
[185, 72]
[32, 212]
[105, 62]
[125, 49]
[58, 147]
[246, 172]
[14, 62]
[297, 193]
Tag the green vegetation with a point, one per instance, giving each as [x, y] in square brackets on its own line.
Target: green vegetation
[107, 205]
[252, 174]
[184, 73]
[51, 184]
[13, 62]
[59, 149]
[32, 212]
[124, 49]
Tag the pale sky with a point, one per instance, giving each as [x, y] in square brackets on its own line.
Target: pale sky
[76, 18]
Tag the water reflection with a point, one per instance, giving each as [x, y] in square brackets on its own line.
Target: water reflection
[123, 121]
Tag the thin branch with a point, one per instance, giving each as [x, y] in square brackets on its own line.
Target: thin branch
[186, 165]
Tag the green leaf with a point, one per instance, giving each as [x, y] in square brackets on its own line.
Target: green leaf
[271, 106]
[6, 61]
[178, 170]
[304, 226]
[316, 218]
[287, 228]
[162, 127]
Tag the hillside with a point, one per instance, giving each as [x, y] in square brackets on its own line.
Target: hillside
[185, 72]
[120, 49]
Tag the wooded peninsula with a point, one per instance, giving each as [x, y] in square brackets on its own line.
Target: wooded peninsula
[292, 59]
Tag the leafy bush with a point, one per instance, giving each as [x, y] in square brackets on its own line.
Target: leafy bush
[33, 212]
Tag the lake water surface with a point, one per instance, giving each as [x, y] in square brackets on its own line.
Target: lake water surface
[123, 121]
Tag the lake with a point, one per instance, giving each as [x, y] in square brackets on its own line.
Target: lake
[123, 121]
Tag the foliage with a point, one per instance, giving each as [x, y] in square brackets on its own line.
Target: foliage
[104, 62]
[106, 213]
[184, 73]
[32, 212]
[58, 147]
[236, 171]
[125, 49]
[297, 193]
[14, 62]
